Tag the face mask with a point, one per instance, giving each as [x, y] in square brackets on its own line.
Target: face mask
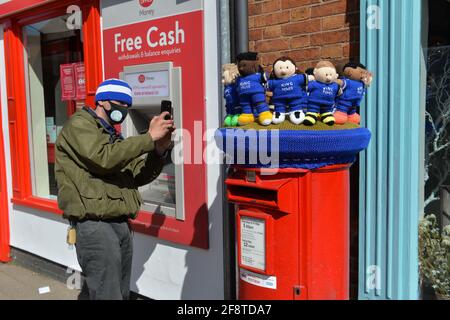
[117, 113]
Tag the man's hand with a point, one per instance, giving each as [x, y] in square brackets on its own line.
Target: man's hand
[165, 143]
[161, 132]
[159, 127]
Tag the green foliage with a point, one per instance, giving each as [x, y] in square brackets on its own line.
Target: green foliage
[434, 255]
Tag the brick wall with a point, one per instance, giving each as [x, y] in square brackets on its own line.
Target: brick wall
[305, 30]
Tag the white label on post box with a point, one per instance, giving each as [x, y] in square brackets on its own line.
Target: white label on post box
[149, 84]
[259, 280]
[253, 242]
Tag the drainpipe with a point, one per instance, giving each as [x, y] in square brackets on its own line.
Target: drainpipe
[241, 25]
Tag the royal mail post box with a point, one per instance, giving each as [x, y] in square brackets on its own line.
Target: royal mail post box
[292, 232]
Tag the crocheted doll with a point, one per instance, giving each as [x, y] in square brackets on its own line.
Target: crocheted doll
[322, 93]
[289, 90]
[354, 84]
[230, 73]
[250, 86]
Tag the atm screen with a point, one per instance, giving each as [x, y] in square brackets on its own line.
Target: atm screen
[149, 84]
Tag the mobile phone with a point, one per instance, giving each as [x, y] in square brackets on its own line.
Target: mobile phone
[166, 106]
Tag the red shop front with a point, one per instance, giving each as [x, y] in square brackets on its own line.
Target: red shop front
[56, 54]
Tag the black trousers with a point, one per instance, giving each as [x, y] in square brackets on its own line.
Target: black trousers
[105, 251]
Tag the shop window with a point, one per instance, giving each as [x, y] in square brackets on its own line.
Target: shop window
[53, 55]
[54, 67]
[437, 121]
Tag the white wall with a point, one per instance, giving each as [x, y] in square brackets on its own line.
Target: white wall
[43, 234]
[161, 270]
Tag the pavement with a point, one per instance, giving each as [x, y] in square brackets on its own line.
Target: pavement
[19, 283]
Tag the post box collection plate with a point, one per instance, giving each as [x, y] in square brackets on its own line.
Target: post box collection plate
[253, 242]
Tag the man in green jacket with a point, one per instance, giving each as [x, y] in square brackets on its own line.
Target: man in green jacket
[98, 174]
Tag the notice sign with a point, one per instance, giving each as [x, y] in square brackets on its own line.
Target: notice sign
[253, 242]
[149, 84]
[80, 80]
[67, 82]
[73, 81]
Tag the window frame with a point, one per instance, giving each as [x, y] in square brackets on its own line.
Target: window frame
[16, 88]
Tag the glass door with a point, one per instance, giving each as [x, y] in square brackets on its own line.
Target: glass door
[55, 87]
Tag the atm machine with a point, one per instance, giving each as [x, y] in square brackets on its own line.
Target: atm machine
[152, 83]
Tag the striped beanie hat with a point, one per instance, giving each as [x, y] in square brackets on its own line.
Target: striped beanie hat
[114, 89]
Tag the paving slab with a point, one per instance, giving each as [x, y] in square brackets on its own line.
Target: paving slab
[19, 283]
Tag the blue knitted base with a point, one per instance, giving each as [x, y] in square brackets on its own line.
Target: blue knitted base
[306, 149]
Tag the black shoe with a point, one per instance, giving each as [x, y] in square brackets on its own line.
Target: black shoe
[328, 119]
[310, 119]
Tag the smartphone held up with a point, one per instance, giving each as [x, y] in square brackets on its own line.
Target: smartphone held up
[166, 106]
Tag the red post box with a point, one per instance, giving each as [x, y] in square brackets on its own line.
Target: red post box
[292, 232]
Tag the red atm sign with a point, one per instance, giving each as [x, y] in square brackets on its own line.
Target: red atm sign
[178, 39]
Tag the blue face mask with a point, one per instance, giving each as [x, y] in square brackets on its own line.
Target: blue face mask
[117, 113]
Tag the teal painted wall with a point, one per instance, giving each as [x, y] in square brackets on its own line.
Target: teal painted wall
[391, 175]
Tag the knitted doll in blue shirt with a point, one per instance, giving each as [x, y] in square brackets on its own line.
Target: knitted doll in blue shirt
[251, 90]
[322, 93]
[289, 90]
[230, 93]
[354, 84]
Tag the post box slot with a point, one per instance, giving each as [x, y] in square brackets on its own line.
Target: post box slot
[249, 194]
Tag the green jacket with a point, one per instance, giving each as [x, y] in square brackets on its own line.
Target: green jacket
[98, 178]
